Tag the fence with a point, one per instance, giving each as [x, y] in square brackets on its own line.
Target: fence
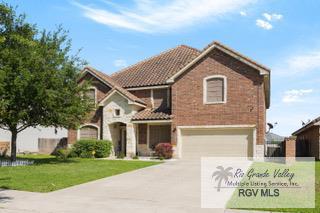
[274, 149]
[51, 145]
[5, 162]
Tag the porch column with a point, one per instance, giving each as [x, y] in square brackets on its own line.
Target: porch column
[131, 140]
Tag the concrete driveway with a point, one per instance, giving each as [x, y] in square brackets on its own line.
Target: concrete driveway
[170, 187]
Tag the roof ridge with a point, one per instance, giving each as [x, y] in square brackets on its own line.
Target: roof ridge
[114, 84]
[151, 57]
[237, 53]
[193, 48]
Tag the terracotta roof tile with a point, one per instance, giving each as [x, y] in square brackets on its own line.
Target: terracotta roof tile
[156, 70]
[149, 114]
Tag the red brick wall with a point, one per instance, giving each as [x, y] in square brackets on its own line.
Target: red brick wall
[311, 136]
[160, 98]
[142, 133]
[144, 95]
[245, 96]
[95, 117]
[290, 147]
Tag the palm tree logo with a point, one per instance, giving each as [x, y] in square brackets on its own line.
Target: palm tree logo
[222, 174]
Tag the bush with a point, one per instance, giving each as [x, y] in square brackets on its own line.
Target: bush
[135, 157]
[73, 153]
[164, 150]
[92, 148]
[63, 154]
[121, 155]
[102, 149]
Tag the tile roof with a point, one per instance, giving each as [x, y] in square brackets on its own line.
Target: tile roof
[150, 114]
[114, 85]
[156, 70]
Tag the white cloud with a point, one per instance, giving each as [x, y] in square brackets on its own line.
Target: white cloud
[243, 13]
[272, 17]
[120, 63]
[293, 96]
[263, 24]
[299, 63]
[151, 16]
[303, 63]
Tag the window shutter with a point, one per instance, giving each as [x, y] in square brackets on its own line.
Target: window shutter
[215, 90]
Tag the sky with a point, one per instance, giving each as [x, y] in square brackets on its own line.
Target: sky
[283, 35]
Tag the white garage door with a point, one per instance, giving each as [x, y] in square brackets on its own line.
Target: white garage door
[197, 143]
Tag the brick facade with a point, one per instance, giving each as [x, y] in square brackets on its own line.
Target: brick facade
[144, 95]
[310, 139]
[245, 99]
[245, 96]
[94, 117]
[290, 147]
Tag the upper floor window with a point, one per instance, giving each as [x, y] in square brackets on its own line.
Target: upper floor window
[215, 89]
[91, 94]
[117, 112]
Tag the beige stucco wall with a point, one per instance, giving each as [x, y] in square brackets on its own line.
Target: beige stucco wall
[116, 101]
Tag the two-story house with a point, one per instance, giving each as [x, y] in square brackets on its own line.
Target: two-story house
[209, 102]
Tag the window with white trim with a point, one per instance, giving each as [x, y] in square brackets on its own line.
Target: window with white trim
[215, 89]
[91, 94]
[88, 132]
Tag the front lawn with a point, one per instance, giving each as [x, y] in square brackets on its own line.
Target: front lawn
[49, 174]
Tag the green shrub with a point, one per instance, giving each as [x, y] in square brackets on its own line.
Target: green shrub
[92, 148]
[135, 157]
[102, 149]
[121, 155]
[63, 154]
[73, 153]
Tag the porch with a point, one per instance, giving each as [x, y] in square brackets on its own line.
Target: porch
[138, 138]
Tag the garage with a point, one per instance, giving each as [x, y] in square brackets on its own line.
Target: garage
[206, 142]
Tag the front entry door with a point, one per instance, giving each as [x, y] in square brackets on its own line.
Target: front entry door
[123, 140]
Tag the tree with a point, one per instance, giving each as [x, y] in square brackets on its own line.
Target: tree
[38, 78]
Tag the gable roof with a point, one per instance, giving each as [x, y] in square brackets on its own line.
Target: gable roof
[260, 68]
[112, 84]
[164, 68]
[315, 122]
[156, 70]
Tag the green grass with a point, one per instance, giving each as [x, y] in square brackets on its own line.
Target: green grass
[49, 174]
[300, 210]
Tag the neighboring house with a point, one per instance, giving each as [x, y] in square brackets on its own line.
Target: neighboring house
[308, 139]
[209, 102]
[27, 140]
[273, 138]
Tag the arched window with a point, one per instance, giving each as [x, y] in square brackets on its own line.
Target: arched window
[89, 132]
[215, 89]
